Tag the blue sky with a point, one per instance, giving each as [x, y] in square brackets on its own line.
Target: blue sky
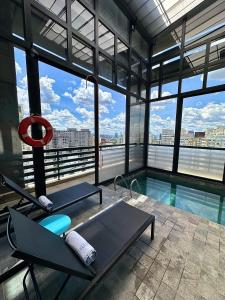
[67, 102]
[199, 112]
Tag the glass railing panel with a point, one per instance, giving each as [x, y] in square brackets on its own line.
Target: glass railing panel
[111, 162]
[208, 163]
[160, 157]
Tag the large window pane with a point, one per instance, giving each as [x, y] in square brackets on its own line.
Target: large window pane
[216, 76]
[217, 51]
[170, 71]
[192, 83]
[57, 7]
[49, 35]
[24, 111]
[122, 53]
[203, 121]
[82, 55]
[105, 68]
[203, 126]
[112, 107]
[105, 39]
[67, 101]
[162, 122]
[114, 17]
[122, 77]
[82, 20]
[161, 132]
[136, 148]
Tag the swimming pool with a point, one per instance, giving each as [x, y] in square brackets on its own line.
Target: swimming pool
[207, 204]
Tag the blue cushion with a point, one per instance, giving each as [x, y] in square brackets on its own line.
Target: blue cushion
[57, 224]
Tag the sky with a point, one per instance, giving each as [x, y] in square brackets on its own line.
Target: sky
[199, 112]
[67, 102]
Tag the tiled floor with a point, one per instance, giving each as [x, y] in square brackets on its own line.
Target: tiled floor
[186, 260]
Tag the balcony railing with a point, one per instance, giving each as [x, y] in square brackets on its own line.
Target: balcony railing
[197, 161]
[61, 162]
[111, 161]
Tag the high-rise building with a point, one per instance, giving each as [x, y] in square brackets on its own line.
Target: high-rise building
[71, 138]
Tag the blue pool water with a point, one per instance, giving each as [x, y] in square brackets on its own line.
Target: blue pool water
[207, 204]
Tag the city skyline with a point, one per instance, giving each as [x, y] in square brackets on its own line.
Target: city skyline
[67, 102]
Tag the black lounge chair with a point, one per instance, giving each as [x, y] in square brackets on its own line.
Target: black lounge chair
[60, 199]
[111, 233]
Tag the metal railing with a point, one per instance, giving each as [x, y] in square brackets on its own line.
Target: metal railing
[60, 162]
[123, 179]
[131, 186]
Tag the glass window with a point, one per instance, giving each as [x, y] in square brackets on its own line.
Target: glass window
[135, 63]
[154, 92]
[167, 41]
[82, 20]
[144, 71]
[112, 109]
[105, 68]
[192, 83]
[217, 51]
[57, 7]
[140, 45]
[215, 76]
[194, 58]
[136, 147]
[122, 53]
[24, 111]
[114, 17]
[122, 77]
[162, 122]
[48, 35]
[134, 84]
[143, 90]
[203, 121]
[169, 88]
[155, 72]
[67, 102]
[82, 55]
[105, 39]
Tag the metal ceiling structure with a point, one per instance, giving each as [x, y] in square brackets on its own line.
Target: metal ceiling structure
[156, 15]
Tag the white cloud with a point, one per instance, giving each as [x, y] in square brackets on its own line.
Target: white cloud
[85, 113]
[62, 119]
[113, 125]
[211, 115]
[48, 94]
[85, 96]
[18, 68]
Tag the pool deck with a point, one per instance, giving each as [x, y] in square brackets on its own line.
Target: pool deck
[186, 260]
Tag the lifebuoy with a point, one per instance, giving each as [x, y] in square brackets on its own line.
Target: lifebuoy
[23, 131]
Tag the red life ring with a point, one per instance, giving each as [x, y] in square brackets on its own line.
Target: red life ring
[23, 131]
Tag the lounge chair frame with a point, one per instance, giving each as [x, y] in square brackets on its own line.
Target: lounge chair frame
[60, 199]
[108, 223]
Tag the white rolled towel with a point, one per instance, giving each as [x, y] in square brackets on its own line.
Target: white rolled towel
[81, 247]
[45, 202]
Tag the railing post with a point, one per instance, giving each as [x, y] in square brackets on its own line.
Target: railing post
[58, 171]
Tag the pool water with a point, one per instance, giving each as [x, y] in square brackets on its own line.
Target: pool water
[210, 205]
